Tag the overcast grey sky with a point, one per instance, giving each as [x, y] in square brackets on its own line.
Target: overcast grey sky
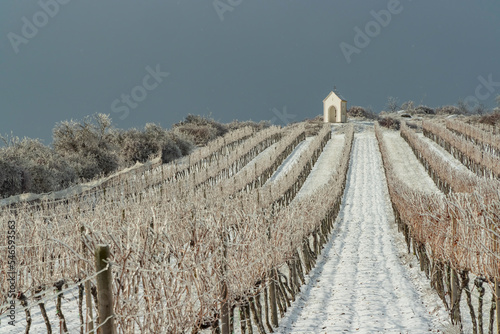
[159, 60]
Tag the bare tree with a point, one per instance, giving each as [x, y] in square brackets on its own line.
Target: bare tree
[392, 104]
[408, 106]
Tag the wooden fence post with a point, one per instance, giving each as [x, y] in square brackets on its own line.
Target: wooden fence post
[497, 293]
[88, 303]
[225, 321]
[272, 298]
[104, 290]
[89, 317]
[455, 306]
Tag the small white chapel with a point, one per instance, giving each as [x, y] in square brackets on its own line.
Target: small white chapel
[334, 108]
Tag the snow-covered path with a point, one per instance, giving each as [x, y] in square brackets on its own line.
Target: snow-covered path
[324, 167]
[406, 165]
[291, 160]
[359, 284]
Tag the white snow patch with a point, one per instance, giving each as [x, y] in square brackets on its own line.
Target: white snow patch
[324, 167]
[406, 165]
[258, 158]
[291, 160]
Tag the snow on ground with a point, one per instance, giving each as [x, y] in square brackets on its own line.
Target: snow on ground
[406, 164]
[360, 284]
[258, 158]
[324, 167]
[291, 160]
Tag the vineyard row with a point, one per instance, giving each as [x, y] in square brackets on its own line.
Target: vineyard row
[172, 256]
[488, 142]
[472, 156]
[447, 179]
[454, 234]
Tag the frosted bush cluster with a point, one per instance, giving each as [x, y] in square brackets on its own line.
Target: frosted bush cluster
[91, 148]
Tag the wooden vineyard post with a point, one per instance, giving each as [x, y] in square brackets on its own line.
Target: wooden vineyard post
[497, 282]
[225, 310]
[104, 290]
[497, 295]
[455, 307]
[272, 290]
[225, 321]
[272, 297]
[88, 303]
[89, 322]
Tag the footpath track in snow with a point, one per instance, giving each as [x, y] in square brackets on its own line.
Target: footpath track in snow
[290, 161]
[406, 164]
[324, 167]
[359, 284]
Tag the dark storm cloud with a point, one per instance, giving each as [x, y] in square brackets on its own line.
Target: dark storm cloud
[236, 59]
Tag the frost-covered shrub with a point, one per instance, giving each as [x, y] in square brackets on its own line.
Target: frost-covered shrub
[170, 151]
[220, 128]
[30, 166]
[357, 111]
[389, 123]
[183, 142]
[12, 178]
[154, 141]
[448, 110]
[424, 110]
[234, 125]
[84, 150]
[136, 146]
[201, 129]
[87, 145]
[199, 134]
[491, 119]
